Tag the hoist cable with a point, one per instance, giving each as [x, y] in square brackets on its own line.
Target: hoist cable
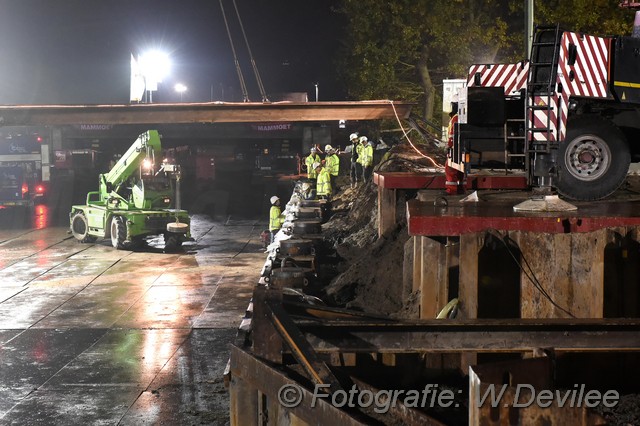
[253, 63]
[243, 87]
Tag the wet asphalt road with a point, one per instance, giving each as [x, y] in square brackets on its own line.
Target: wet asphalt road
[90, 335]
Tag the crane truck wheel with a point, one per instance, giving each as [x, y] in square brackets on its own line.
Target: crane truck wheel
[80, 228]
[594, 159]
[118, 232]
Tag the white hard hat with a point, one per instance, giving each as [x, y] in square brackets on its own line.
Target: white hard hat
[363, 139]
[315, 165]
[313, 149]
[328, 148]
[274, 199]
[353, 136]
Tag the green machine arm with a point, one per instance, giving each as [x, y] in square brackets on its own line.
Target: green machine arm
[147, 146]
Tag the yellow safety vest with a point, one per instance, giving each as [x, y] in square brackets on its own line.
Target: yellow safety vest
[366, 156]
[275, 218]
[312, 158]
[323, 186]
[359, 149]
[333, 164]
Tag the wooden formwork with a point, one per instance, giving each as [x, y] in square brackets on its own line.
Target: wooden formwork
[569, 267]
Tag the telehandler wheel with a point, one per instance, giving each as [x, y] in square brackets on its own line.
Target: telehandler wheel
[80, 228]
[172, 242]
[594, 159]
[118, 232]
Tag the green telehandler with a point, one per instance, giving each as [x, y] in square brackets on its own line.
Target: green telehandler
[135, 200]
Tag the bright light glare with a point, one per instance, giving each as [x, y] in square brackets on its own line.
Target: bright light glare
[146, 163]
[155, 66]
[180, 88]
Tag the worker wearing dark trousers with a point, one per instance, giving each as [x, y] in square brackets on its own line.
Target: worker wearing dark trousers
[454, 179]
[355, 170]
[332, 163]
[366, 159]
[276, 219]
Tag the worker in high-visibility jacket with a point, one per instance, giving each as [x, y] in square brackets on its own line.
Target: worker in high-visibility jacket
[312, 158]
[332, 163]
[454, 178]
[276, 218]
[323, 184]
[366, 158]
[355, 169]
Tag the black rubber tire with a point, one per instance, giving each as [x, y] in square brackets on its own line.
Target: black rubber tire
[118, 232]
[80, 228]
[594, 159]
[172, 242]
[136, 243]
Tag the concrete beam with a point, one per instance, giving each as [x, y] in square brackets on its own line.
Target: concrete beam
[209, 112]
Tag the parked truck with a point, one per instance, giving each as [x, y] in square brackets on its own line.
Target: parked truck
[569, 116]
[137, 198]
[24, 165]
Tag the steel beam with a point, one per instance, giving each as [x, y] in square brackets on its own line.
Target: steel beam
[317, 370]
[448, 336]
[406, 415]
[269, 381]
[426, 219]
[413, 180]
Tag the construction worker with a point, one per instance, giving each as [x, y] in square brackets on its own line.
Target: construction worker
[366, 158]
[323, 185]
[332, 163]
[276, 218]
[312, 158]
[454, 179]
[355, 171]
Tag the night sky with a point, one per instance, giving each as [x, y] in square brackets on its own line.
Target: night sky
[78, 51]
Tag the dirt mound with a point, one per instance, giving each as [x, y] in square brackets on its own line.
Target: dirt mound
[371, 267]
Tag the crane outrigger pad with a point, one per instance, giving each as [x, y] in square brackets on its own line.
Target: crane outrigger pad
[548, 203]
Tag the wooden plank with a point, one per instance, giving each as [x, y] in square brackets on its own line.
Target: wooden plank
[417, 262]
[587, 273]
[468, 288]
[434, 278]
[549, 259]
[386, 210]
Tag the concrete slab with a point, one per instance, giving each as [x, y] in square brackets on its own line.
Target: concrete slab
[121, 357]
[97, 307]
[228, 305]
[23, 272]
[6, 335]
[8, 292]
[73, 405]
[72, 273]
[190, 387]
[94, 335]
[33, 356]
[167, 306]
[31, 305]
